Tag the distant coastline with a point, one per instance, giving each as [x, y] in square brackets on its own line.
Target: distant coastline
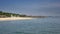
[6, 14]
[12, 16]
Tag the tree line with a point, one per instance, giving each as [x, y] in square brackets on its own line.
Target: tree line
[13, 14]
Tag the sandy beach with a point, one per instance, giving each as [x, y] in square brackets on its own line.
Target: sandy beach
[14, 18]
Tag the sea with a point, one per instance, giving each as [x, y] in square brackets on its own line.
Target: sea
[49, 25]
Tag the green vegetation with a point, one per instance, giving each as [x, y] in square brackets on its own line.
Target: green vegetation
[9, 14]
[6, 14]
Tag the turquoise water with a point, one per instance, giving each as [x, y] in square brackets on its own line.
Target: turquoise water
[33, 26]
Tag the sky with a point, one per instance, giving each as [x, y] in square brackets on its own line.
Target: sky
[31, 7]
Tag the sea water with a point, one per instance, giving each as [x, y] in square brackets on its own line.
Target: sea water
[32, 26]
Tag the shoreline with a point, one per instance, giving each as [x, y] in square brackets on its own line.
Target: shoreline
[14, 18]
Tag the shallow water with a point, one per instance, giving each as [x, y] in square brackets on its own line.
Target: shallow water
[33, 26]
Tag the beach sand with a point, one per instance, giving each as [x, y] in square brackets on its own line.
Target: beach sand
[14, 18]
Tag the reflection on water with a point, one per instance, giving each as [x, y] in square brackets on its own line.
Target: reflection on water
[34, 26]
